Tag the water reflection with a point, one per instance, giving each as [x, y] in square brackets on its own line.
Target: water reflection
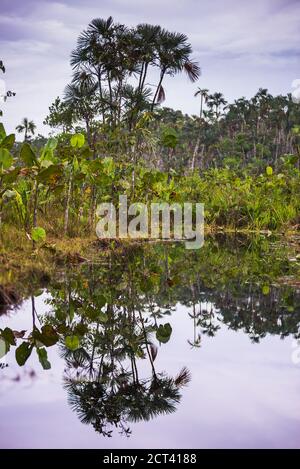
[110, 320]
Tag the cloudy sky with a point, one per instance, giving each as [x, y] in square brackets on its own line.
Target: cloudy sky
[240, 46]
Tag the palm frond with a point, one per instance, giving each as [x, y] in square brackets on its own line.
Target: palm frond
[183, 378]
[192, 70]
[161, 95]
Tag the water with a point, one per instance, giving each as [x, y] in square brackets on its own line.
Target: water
[234, 311]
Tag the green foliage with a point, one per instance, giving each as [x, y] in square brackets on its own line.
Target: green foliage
[72, 342]
[169, 138]
[269, 171]
[38, 234]
[8, 142]
[4, 347]
[43, 358]
[28, 155]
[23, 352]
[2, 132]
[47, 336]
[8, 335]
[164, 332]
[6, 159]
[77, 140]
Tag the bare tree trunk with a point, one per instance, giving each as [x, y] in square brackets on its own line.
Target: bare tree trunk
[195, 153]
[66, 221]
[198, 139]
[277, 141]
[93, 207]
[35, 204]
[133, 149]
[201, 156]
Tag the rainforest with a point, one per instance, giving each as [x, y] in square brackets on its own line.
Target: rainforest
[124, 340]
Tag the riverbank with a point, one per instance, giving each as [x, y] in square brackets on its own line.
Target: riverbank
[19, 259]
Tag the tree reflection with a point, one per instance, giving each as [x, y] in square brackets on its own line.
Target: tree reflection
[109, 319]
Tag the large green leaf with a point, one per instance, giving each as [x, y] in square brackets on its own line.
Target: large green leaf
[47, 153]
[23, 352]
[43, 358]
[72, 342]
[8, 142]
[4, 347]
[28, 155]
[8, 336]
[77, 140]
[47, 173]
[6, 158]
[2, 131]
[51, 143]
[269, 170]
[48, 336]
[38, 234]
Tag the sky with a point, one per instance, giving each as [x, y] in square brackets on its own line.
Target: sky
[240, 46]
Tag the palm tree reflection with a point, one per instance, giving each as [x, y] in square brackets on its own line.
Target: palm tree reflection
[111, 395]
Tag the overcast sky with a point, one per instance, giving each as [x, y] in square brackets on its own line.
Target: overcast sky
[240, 46]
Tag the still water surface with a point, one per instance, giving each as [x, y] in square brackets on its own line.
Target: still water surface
[234, 312]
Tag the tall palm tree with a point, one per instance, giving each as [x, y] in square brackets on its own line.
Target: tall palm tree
[145, 42]
[173, 51]
[91, 57]
[203, 92]
[26, 126]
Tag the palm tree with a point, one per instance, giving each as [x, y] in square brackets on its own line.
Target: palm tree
[203, 92]
[215, 101]
[28, 127]
[145, 42]
[91, 57]
[109, 54]
[173, 53]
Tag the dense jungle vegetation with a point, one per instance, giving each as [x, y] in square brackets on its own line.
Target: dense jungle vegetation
[112, 136]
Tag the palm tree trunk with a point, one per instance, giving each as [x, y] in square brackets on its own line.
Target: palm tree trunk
[101, 94]
[141, 76]
[110, 95]
[144, 77]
